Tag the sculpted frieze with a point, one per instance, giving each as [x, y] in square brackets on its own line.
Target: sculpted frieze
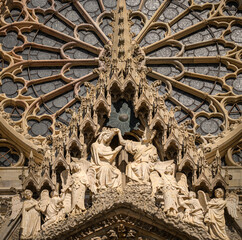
[148, 180]
[93, 185]
[114, 211]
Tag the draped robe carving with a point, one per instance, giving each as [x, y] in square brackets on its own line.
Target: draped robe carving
[30, 224]
[144, 157]
[170, 190]
[79, 183]
[215, 216]
[103, 160]
[144, 153]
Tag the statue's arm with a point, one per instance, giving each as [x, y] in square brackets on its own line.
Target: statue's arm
[181, 202]
[30, 207]
[37, 207]
[121, 140]
[218, 204]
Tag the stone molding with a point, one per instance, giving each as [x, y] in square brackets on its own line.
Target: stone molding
[134, 204]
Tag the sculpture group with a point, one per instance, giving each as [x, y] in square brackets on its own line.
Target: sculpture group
[89, 153]
[101, 173]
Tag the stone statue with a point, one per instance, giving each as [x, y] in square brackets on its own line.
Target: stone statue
[161, 108]
[203, 164]
[193, 209]
[74, 120]
[66, 188]
[79, 183]
[44, 200]
[170, 191]
[145, 155]
[214, 209]
[31, 217]
[214, 217]
[53, 211]
[182, 183]
[156, 175]
[103, 160]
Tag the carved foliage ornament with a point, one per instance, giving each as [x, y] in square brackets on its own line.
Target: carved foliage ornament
[64, 41]
[181, 94]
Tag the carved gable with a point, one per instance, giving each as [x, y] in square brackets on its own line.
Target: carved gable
[120, 119]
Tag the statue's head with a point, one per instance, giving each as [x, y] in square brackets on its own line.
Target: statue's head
[106, 136]
[169, 170]
[148, 135]
[75, 167]
[219, 193]
[54, 194]
[192, 194]
[28, 194]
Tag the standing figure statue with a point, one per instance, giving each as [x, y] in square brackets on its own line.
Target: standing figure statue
[103, 160]
[66, 189]
[31, 218]
[181, 179]
[214, 208]
[79, 183]
[145, 155]
[214, 218]
[170, 190]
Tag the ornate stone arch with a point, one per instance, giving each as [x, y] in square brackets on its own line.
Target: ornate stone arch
[176, 62]
[127, 217]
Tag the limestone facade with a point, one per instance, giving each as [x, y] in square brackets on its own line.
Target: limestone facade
[120, 135]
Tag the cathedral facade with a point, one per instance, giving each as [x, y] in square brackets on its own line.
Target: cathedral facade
[121, 119]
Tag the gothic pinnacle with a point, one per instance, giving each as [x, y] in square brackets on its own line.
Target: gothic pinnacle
[122, 37]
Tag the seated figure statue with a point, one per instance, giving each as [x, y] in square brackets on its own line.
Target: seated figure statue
[145, 155]
[103, 160]
[193, 209]
[53, 209]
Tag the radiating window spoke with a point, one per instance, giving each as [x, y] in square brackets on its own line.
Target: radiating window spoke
[50, 48]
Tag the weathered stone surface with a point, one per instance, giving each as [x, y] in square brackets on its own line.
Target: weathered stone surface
[165, 79]
[134, 204]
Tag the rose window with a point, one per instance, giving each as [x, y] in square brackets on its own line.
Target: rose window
[50, 48]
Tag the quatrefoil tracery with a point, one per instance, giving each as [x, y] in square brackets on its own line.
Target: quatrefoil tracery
[50, 48]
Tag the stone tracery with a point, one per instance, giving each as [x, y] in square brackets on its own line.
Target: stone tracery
[126, 72]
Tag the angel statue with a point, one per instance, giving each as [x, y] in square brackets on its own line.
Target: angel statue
[145, 155]
[31, 217]
[181, 179]
[66, 189]
[156, 175]
[214, 209]
[52, 207]
[80, 180]
[170, 191]
[103, 160]
[193, 209]
[163, 180]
